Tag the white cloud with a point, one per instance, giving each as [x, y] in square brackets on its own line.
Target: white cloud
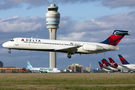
[118, 3]
[7, 4]
[128, 40]
[18, 24]
[117, 21]
[72, 36]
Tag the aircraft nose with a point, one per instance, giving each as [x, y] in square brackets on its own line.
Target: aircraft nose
[5, 44]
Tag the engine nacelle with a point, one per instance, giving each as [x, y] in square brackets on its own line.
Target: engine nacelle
[92, 47]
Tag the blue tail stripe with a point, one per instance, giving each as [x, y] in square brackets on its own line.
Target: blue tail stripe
[117, 40]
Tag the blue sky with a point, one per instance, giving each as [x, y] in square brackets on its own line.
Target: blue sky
[81, 20]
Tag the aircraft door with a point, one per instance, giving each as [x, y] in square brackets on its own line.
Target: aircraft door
[16, 42]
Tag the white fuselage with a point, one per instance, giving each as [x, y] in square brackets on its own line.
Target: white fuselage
[58, 46]
[111, 68]
[129, 66]
[47, 70]
[107, 70]
[121, 67]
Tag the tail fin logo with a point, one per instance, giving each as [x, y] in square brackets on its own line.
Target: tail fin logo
[123, 61]
[116, 37]
[104, 61]
[29, 65]
[113, 63]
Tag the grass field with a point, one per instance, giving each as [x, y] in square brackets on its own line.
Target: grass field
[63, 81]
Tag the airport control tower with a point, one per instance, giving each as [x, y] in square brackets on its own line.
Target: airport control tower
[52, 21]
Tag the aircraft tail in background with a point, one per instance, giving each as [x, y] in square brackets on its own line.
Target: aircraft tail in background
[108, 65]
[123, 61]
[29, 66]
[100, 64]
[103, 68]
[105, 63]
[113, 63]
[116, 37]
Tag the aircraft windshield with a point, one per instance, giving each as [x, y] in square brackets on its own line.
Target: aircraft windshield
[12, 40]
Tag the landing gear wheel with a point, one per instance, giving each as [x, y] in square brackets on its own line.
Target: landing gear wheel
[9, 52]
[69, 56]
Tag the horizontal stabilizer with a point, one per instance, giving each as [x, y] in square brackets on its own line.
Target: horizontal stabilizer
[120, 32]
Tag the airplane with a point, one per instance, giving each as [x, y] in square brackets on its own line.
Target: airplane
[42, 69]
[69, 47]
[115, 65]
[102, 67]
[126, 63]
[107, 65]
[123, 60]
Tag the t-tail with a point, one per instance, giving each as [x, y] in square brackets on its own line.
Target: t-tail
[100, 64]
[113, 63]
[105, 63]
[29, 65]
[116, 37]
[123, 61]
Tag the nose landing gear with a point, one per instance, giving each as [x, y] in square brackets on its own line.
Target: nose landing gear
[9, 51]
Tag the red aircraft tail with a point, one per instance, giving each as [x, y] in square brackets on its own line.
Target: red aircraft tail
[116, 37]
[113, 63]
[100, 64]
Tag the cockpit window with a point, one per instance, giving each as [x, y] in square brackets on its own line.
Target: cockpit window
[12, 40]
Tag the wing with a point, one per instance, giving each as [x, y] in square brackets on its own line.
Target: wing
[68, 49]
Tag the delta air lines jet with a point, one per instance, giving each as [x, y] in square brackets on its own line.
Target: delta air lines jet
[126, 63]
[69, 47]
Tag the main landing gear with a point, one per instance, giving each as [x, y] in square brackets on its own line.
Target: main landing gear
[69, 55]
[71, 51]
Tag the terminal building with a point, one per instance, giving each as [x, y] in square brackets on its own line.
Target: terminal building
[12, 70]
[76, 68]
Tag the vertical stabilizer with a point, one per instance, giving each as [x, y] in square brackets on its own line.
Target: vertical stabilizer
[113, 63]
[116, 37]
[29, 65]
[101, 65]
[123, 61]
[105, 62]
